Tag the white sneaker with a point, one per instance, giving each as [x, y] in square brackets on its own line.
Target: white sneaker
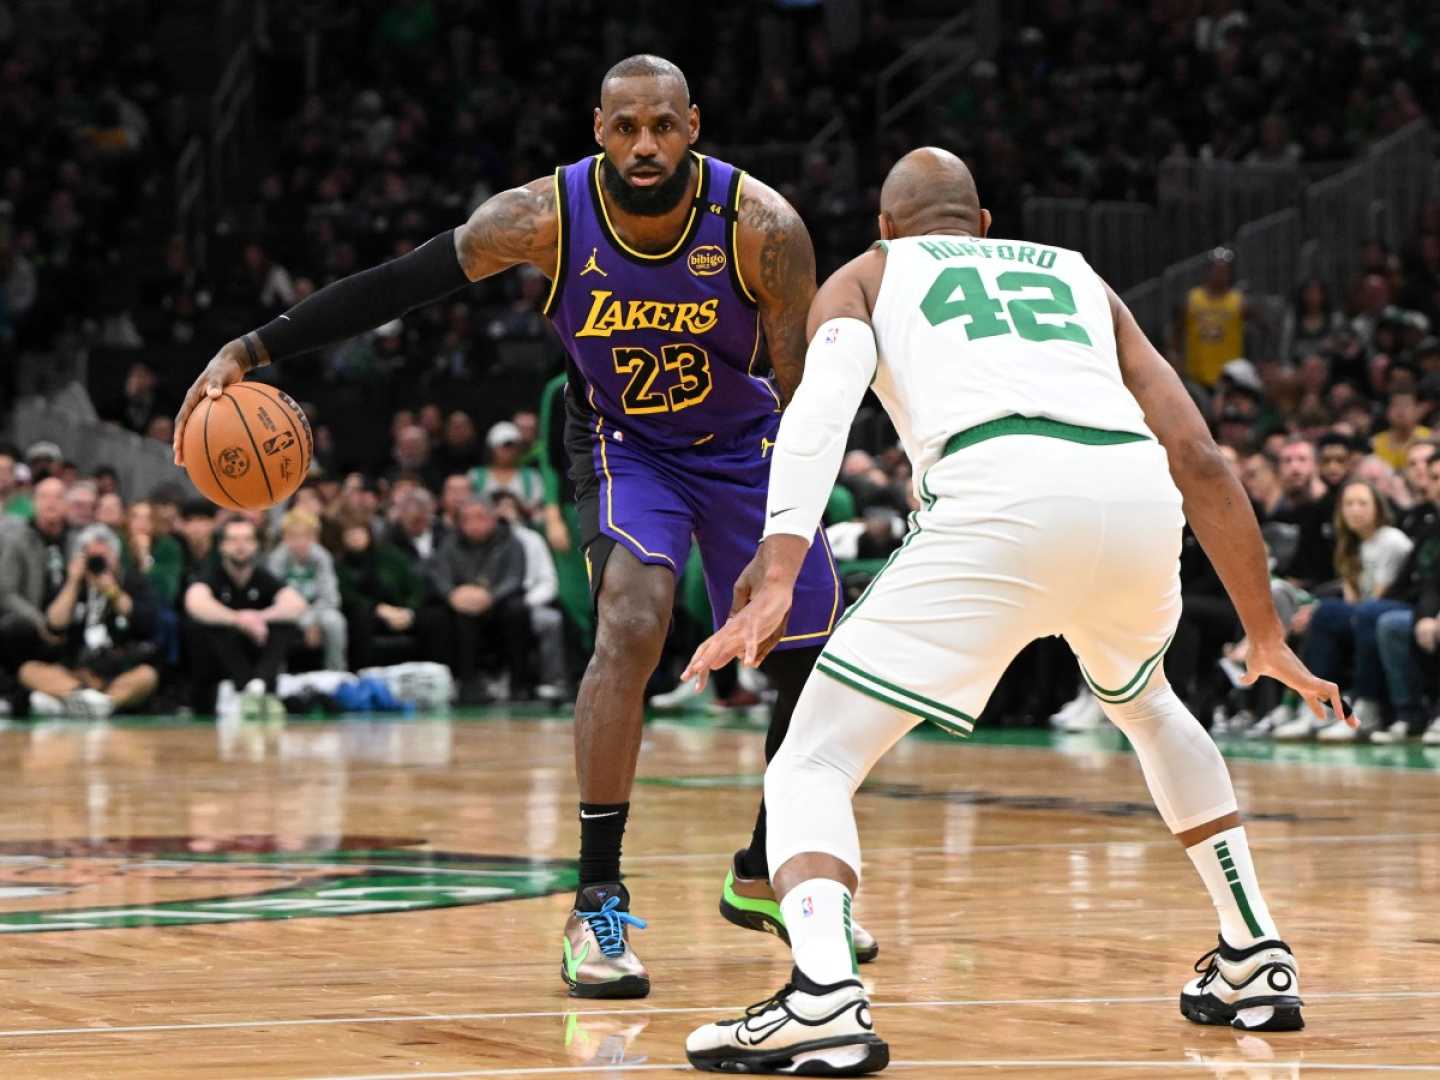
[227, 701]
[805, 1029]
[1430, 738]
[1301, 726]
[43, 704]
[684, 696]
[1253, 989]
[1264, 728]
[1398, 731]
[1368, 716]
[88, 704]
[1090, 716]
[252, 701]
[1073, 705]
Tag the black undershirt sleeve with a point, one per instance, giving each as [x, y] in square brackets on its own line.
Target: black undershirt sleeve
[366, 300]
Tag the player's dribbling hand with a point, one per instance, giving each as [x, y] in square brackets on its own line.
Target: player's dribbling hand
[1279, 661]
[227, 367]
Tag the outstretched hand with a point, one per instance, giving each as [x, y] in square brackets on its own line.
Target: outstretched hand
[226, 368]
[1279, 661]
[759, 610]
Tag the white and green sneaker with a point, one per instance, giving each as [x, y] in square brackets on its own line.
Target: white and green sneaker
[803, 1030]
[1252, 989]
[750, 903]
[596, 959]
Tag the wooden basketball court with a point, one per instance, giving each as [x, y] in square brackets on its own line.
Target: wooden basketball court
[179, 901]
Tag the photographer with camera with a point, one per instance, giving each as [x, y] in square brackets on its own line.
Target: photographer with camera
[105, 616]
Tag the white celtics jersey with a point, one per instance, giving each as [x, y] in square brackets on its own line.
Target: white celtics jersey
[972, 330]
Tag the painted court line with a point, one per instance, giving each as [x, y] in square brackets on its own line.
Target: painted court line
[414, 1018]
[984, 849]
[958, 1063]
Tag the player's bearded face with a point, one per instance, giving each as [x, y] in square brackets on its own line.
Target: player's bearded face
[649, 201]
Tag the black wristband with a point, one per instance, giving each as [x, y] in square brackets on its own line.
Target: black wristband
[366, 300]
[250, 352]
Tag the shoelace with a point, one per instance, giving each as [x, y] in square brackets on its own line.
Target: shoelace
[1208, 966]
[609, 926]
[775, 999]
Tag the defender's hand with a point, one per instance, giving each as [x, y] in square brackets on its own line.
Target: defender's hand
[227, 367]
[1279, 662]
[749, 634]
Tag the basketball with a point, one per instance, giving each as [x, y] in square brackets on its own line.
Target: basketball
[249, 448]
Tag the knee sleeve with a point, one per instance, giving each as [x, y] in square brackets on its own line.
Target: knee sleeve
[835, 738]
[1183, 768]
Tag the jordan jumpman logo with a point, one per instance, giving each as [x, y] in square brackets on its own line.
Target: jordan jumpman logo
[591, 264]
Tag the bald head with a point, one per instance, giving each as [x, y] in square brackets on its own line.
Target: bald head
[648, 66]
[931, 190]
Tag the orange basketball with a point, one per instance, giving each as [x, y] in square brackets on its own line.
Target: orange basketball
[249, 448]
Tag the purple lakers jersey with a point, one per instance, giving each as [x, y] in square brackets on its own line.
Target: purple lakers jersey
[664, 346]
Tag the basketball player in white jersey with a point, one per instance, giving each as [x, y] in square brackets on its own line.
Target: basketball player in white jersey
[1055, 452]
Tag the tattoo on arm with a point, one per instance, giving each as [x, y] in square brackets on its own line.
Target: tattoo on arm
[516, 226]
[786, 282]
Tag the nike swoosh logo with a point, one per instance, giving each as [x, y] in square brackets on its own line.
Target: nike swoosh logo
[759, 1035]
[777, 513]
[587, 817]
[573, 962]
[285, 317]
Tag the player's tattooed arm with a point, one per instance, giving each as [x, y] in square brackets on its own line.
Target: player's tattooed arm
[516, 226]
[777, 262]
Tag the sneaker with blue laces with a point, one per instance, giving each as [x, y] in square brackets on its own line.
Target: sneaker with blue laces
[597, 961]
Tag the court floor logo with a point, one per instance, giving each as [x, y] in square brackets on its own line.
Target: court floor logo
[184, 881]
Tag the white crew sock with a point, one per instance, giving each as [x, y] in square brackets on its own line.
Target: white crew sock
[817, 917]
[1224, 865]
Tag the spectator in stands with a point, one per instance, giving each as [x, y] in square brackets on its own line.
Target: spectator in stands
[110, 511]
[80, 501]
[1213, 321]
[32, 573]
[264, 282]
[541, 591]
[1260, 473]
[242, 624]
[1312, 322]
[480, 574]
[504, 472]
[412, 455]
[1369, 554]
[105, 615]
[382, 593]
[1422, 511]
[44, 459]
[461, 450]
[1402, 413]
[1310, 510]
[158, 557]
[139, 402]
[197, 533]
[415, 531]
[107, 480]
[455, 493]
[302, 564]
[13, 502]
[1337, 459]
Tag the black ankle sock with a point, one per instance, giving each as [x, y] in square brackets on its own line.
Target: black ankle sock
[602, 825]
[751, 862]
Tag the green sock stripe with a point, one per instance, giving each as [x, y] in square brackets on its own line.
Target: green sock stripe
[1244, 904]
[850, 939]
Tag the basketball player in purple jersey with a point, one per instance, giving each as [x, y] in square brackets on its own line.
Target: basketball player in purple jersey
[665, 266]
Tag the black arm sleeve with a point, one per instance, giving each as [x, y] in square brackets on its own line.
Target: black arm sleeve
[366, 300]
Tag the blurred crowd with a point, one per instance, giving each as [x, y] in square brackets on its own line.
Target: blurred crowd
[460, 547]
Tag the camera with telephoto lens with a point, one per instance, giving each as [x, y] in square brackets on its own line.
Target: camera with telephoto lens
[96, 564]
